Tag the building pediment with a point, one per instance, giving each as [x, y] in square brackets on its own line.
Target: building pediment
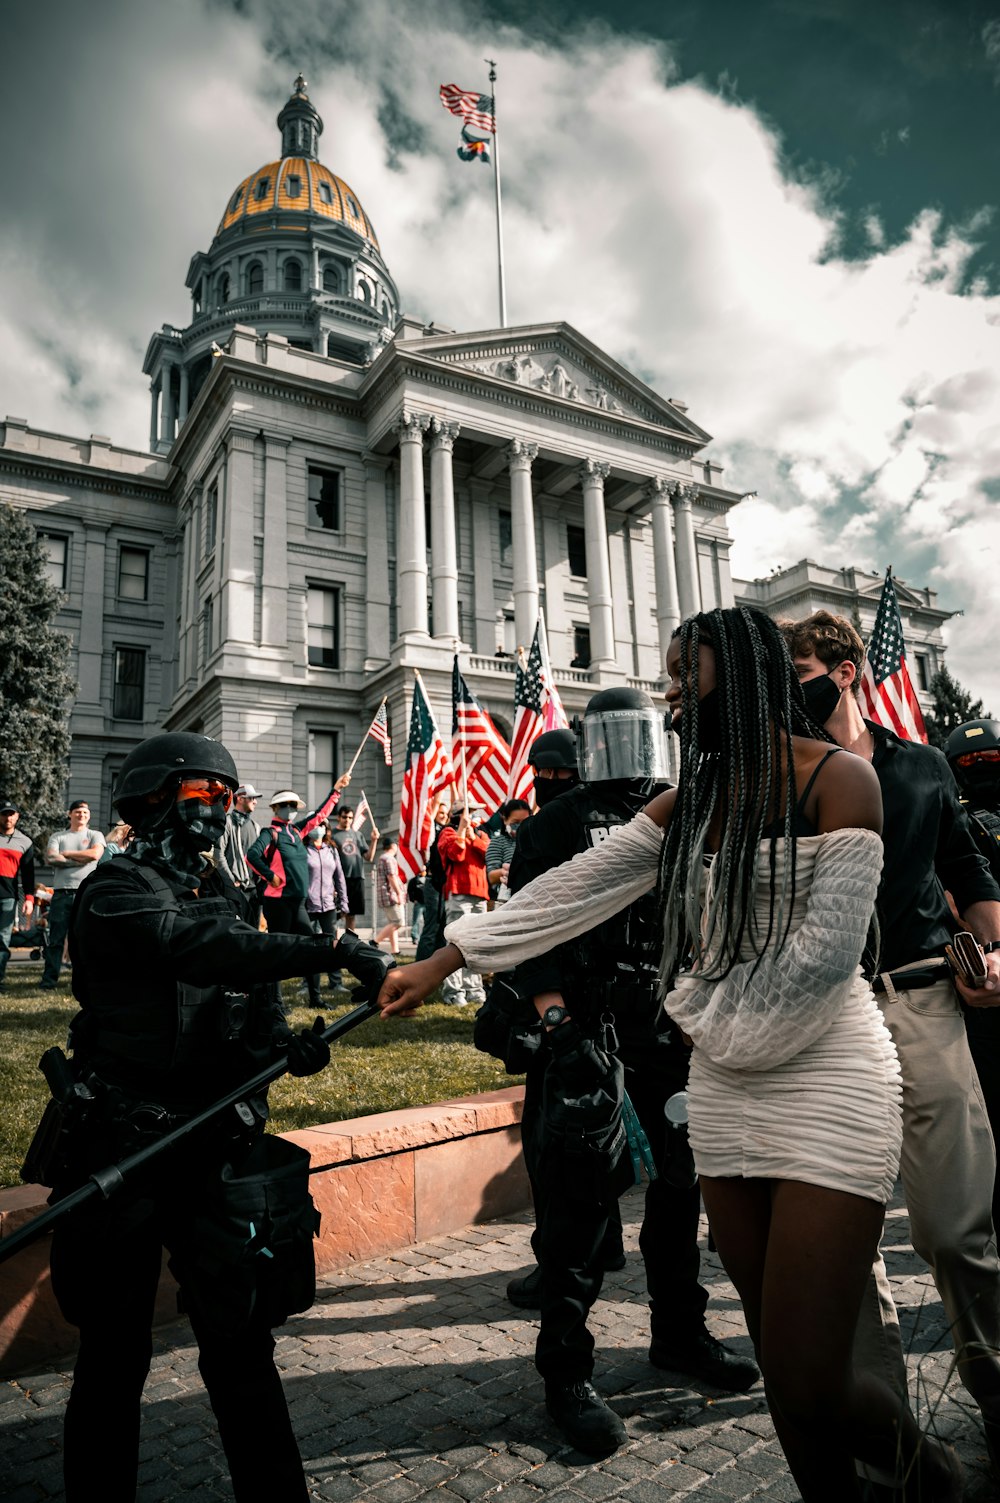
[558, 365]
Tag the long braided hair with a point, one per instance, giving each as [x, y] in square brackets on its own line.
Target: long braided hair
[761, 706]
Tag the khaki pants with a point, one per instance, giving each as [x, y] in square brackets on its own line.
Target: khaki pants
[947, 1168]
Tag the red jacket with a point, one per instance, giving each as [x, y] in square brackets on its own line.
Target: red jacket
[464, 864]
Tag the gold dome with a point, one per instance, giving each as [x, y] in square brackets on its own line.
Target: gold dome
[297, 184]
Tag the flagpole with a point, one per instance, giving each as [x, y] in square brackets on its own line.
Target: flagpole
[496, 184]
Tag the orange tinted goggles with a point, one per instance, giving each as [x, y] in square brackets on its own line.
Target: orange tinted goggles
[970, 759]
[207, 790]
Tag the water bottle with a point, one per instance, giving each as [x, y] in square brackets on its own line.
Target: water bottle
[678, 1167]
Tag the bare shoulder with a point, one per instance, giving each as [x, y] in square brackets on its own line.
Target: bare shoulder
[662, 807]
[848, 795]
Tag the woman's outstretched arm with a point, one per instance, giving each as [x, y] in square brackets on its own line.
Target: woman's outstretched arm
[556, 907]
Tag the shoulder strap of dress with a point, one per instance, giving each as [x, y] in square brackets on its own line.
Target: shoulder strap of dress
[815, 774]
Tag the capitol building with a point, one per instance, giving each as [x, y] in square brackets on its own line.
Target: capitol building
[336, 493]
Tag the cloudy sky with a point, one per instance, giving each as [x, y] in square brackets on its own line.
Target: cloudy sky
[782, 211]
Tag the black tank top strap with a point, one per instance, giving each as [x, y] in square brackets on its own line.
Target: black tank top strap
[815, 774]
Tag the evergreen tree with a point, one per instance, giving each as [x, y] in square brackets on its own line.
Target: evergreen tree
[36, 688]
[953, 706]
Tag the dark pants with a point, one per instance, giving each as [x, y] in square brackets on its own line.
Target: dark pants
[8, 914]
[56, 929]
[432, 937]
[982, 1024]
[289, 916]
[575, 1230]
[105, 1267]
[323, 923]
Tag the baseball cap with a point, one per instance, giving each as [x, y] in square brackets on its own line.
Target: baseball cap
[6, 807]
[247, 790]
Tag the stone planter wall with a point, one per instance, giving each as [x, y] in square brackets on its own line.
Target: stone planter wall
[380, 1183]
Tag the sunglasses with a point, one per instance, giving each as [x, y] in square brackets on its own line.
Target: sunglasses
[970, 759]
[206, 790]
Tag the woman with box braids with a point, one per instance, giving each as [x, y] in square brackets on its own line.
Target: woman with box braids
[767, 856]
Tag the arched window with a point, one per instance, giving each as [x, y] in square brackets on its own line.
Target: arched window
[222, 288]
[331, 278]
[293, 276]
[255, 278]
[363, 292]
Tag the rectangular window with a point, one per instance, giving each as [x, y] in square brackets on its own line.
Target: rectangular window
[324, 499]
[581, 647]
[133, 573]
[211, 518]
[207, 629]
[323, 635]
[293, 185]
[57, 549]
[922, 673]
[322, 766]
[576, 551]
[130, 683]
[506, 539]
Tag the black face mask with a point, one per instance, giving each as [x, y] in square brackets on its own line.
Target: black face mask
[980, 783]
[709, 722]
[547, 789]
[822, 697]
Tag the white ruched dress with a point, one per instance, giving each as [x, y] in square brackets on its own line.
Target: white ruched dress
[793, 1073]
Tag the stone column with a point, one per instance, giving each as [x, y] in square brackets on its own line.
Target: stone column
[315, 269]
[376, 563]
[154, 393]
[519, 456]
[182, 410]
[168, 411]
[688, 590]
[274, 566]
[593, 474]
[236, 523]
[444, 551]
[668, 611]
[411, 539]
[484, 568]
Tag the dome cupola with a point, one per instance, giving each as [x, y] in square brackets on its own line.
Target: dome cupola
[294, 254]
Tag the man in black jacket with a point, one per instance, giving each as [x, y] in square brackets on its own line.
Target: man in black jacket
[948, 1160]
[172, 1015]
[603, 987]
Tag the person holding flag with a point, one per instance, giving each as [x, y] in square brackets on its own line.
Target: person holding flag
[948, 1160]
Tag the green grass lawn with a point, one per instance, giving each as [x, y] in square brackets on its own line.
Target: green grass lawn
[376, 1068]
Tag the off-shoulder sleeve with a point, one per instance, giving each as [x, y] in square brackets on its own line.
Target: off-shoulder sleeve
[563, 902]
[756, 1018]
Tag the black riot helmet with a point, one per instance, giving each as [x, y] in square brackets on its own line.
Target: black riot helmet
[973, 752]
[164, 759]
[623, 738]
[554, 749]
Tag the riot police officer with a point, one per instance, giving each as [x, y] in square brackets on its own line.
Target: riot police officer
[603, 987]
[973, 752]
[172, 1015]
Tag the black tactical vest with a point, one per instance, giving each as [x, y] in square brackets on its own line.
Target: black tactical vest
[985, 824]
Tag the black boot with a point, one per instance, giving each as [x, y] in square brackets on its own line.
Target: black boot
[701, 1356]
[578, 1410]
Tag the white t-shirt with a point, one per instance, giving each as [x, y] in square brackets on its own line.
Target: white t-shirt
[68, 877]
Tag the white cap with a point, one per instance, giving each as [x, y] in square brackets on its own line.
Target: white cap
[286, 796]
[247, 790]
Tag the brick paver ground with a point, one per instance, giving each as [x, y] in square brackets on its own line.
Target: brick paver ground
[412, 1376]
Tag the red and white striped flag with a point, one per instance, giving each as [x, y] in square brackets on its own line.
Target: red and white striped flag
[428, 773]
[363, 811]
[528, 720]
[475, 109]
[556, 718]
[887, 693]
[379, 731]
[480, 754]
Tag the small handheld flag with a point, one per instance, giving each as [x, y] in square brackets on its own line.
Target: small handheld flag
[379, 731]
[362, 812]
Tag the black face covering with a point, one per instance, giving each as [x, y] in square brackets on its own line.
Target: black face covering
[822, 697]
[980, 783]
[547, 789]
[709, 722]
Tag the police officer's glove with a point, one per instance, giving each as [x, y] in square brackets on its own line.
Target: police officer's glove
[366, 962]
[577, 1059]
[308, 1050]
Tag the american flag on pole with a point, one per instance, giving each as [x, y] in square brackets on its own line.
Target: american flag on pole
[556, 718]
[529, 696]
[362, 812]
[887, 693]
[475, 109]
[379, 731]
[479, 752]
[428, 772]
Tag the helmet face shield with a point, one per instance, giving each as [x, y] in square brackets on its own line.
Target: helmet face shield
[626, 743]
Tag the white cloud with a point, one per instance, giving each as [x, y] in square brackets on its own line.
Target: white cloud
[858, 398]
